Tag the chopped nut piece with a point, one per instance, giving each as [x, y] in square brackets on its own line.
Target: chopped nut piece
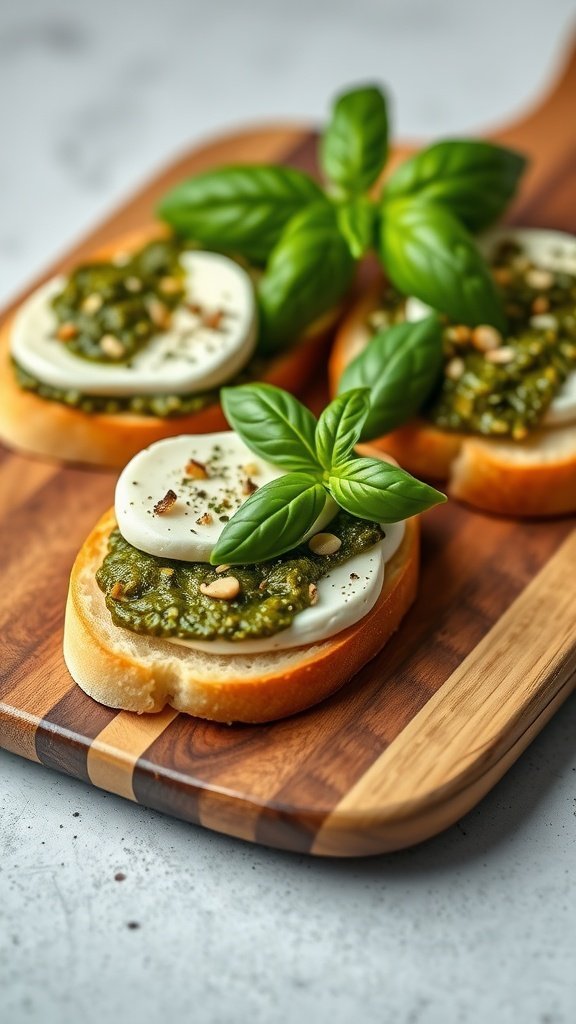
[500, 355]
[225, 589]
[251, 469]
[379, 318]
[313, 593]
[112, 346]
[160, 315]
[205, 519]
[502, 276]
[539, 279]
[67, 331]
[455, 368]
[540, 305]
[324, 544]
[545, 320]
[92, 303]
[213, 320]
[248, 486]
[486, 338]
[169, 285]
[133, 284]
[460, 334]
[221, 568]
[196, 469]
[165, 503]
[117, 591]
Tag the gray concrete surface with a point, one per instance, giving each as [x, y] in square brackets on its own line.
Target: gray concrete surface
[477, 925]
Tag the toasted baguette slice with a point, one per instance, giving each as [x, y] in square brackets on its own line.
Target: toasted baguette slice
[39, 426]
[141, 673]
[535, 477]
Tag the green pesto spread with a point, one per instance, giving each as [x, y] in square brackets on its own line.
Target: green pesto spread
[161, 596]
[163, 405]
[503, 386]
[108, 311]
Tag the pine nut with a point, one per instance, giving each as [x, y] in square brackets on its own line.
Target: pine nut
[159, 313]
[67, 331]
[169, 285]
[500, 355]
[455, 368]
[324, 544]
[539, 279]
[486, 338]
[460, 334]
[92, 303]
[225, 589]
[221, 568]
[112, 346]
[313, 593]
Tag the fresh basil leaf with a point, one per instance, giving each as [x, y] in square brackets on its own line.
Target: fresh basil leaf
[401, 366]
[308, 272]
[374, 489]
[240, 209]
[340, 426]
[354, 147]
[271, 521]
[356, 220]
[429, 254]
[476, 180]
[273, 424]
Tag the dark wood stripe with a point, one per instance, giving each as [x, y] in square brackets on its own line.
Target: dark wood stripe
[64, 735]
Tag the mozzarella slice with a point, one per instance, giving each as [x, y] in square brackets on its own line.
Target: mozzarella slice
[551, 250]
[345, 596]
[189, 530]
[188, 358]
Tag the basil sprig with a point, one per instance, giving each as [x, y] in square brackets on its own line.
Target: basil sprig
[323, 473]
[308, 239]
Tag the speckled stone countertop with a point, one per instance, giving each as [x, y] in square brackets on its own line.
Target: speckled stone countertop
[110, 911]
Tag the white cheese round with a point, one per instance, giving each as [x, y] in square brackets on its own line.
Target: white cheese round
[190, 529]
[345, 596]
[188, 358]
[551, 250]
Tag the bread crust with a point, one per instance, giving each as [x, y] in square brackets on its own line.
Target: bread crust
[535, 477]
[143, 674]
[38, 426]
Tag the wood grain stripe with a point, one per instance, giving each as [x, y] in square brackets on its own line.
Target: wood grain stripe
[480, 713]
[116, 749]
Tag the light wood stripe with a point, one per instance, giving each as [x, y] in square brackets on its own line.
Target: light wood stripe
[478, 715]
[27, 703]
[115, 751]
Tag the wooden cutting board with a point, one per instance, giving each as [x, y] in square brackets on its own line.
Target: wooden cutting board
[483, 660]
